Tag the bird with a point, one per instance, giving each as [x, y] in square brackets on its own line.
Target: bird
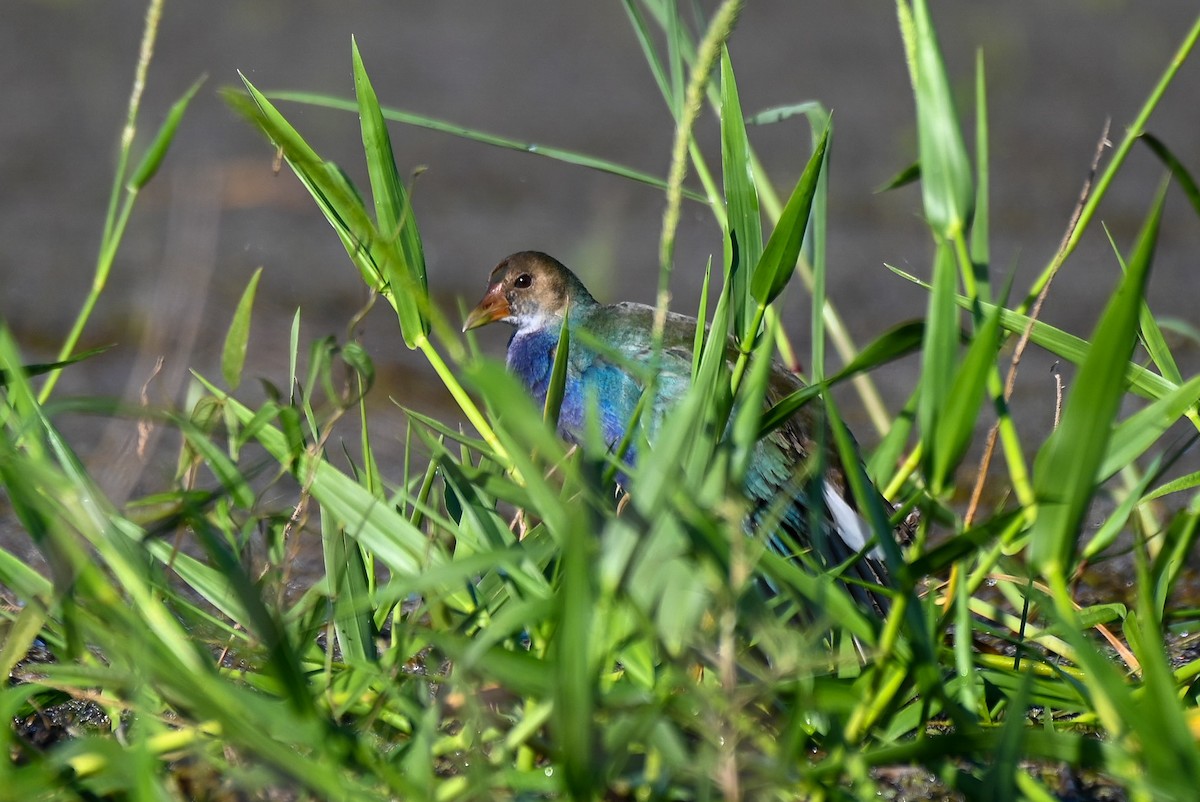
[534, 292]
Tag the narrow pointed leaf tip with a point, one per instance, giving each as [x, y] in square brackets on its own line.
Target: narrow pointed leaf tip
[774, 269]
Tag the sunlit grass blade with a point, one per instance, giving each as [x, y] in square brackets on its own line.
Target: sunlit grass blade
[1172, 559]
[395, 541]
[380, 260]
[1132, 436]
[556, 388]
[393, 210]
[980, 221]
[939, 354]
[782, 250]
[744, 236]
[1150, 334]
[945, 170]
[1067, 464]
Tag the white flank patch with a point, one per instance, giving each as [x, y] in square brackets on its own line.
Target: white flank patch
[849, 524]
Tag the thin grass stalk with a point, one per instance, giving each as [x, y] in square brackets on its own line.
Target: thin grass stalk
[115, 222]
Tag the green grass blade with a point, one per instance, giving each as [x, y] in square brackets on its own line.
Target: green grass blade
[898, 342]
[153, 157]
[1149, 332]
[350, 594]
[563, 155]
[557, 386]
[574, 642]
[1180, 173]
[980, 222]
[960, 411]
[743, 220]
[778, 261]
[1060, 343]
[945, 170]
[939, 355]
[1139, 431]
[380, 260]
[393, 209]
[1067, 464]
[233, 354]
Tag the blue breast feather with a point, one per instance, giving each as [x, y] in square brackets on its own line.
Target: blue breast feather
[615, 390]
[589, 375]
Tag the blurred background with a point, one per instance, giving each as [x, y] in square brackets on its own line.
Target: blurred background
[564, 74]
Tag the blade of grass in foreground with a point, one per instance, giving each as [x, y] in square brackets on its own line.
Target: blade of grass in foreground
[744, 220]
[945, 170]
[1067, 464]
[393, 209]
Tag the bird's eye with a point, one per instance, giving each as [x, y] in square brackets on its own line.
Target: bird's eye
[524, 280]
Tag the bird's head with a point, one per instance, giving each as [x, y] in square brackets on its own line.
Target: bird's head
[529, 290]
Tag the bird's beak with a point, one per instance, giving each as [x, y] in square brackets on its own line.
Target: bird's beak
[493, 307]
